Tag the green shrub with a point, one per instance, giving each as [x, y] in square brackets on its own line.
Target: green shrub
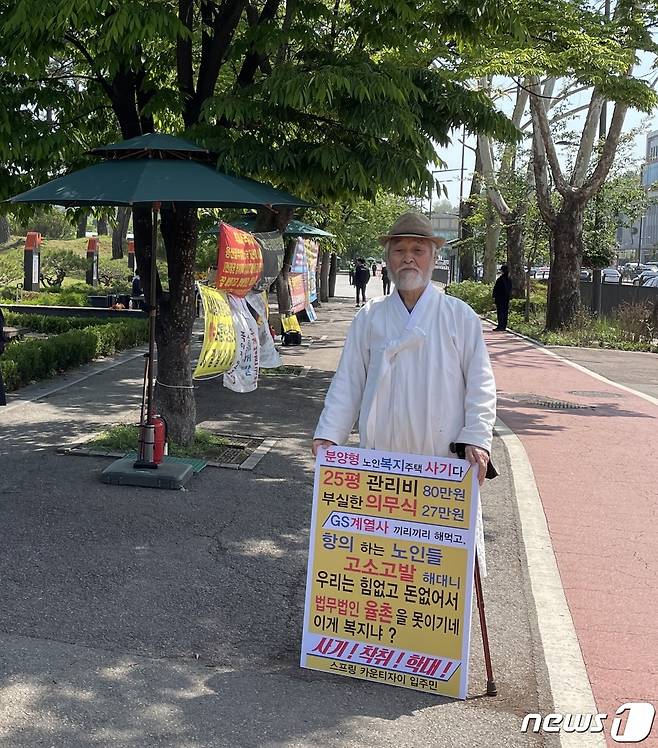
[67, 297]
[477, 295]
[115, 276]
[11, 270]
[30, 360]
[55, 325]
[537, 300]
[50, 222]
[57, 265]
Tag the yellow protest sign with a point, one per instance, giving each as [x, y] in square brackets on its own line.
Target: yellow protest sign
[290, 323]
[389, 584]
[218, 350]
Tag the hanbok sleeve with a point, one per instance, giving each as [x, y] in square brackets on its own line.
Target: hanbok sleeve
[343, 401]
[480, 394]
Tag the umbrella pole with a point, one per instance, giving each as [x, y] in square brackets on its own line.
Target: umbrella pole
[147, 429]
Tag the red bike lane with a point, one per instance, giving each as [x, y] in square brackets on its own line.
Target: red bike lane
[596, 470]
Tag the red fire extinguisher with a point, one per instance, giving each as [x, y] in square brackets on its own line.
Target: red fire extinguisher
[159, 438]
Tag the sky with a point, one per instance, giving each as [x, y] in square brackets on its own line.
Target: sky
[453, 153]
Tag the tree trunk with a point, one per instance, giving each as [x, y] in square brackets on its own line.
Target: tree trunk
[101, 226]
[4, 229]
[466, 209]
[143, 234]
[82, 225]
[333, 270]
[466, 264]
[515, 245]
[119, 232]
[282, 290]
[269, 220]
[174, 392]
[324, 275]
[564, 287]
[493, 228]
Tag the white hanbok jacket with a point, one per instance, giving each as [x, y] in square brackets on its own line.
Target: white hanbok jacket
[417, 381]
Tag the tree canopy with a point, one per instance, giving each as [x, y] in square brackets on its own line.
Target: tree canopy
[326, 98]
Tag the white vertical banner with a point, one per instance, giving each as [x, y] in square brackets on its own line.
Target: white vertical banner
[243, 375]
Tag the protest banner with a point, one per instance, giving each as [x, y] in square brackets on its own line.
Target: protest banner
[299, 258]
[239, 261]
[243, 375]
[269, 356]
[298, 291]
[272, 249]
[312, 254]
[290, 323]
[389, 583]
[218, 350]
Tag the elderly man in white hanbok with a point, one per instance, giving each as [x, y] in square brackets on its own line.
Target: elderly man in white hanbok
[415, 369]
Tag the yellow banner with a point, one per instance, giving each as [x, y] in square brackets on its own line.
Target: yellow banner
[390, 572]
[218, 351]
[290, 323]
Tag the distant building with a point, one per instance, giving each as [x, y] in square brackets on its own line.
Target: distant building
[445, 225]
[628, 239]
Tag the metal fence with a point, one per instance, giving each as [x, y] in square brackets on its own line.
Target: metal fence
[614, 294]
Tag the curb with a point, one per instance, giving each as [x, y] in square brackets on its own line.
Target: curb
[569, 683]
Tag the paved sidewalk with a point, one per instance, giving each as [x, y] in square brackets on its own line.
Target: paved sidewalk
[137, 617]
[595, 466]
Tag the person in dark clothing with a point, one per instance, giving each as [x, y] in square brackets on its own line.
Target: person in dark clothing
[136, 286]
[386, 281]
[374, 269]
[361, 278]
[3, 399]
[502, 291]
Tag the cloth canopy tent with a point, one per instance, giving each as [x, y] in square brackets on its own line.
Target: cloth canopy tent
[155, 169]
[293, 229]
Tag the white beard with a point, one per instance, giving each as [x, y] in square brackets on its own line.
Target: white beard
[410, 280]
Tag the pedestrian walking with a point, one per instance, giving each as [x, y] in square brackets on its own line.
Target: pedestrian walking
[414, 368]
[374, 269]
[3, 398]
[502, 291]
[361, 278]
[350, 273]
[386, 281]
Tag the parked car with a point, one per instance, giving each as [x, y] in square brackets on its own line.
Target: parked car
[610, 275]
[652, 282]
[644, 276]
[585, 274]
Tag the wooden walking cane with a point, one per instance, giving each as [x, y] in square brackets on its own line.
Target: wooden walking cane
[491, 683]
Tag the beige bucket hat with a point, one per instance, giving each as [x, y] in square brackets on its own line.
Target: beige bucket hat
[415, 225]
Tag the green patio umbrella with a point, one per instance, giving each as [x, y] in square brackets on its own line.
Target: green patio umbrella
[153, 170]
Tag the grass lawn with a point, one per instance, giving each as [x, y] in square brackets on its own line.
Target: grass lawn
[122, 438]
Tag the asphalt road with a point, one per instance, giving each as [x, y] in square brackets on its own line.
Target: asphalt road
[139, 618]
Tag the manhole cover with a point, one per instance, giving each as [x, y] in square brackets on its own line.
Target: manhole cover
[593, 393]
[541, 401]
